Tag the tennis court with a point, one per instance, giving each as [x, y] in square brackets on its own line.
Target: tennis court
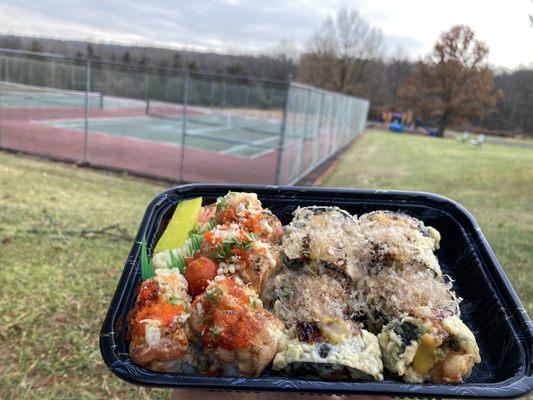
[232, 128]
[214, 130]
[21, 96]
[218, 136]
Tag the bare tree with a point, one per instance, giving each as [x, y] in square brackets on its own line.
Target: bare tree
[453, 83]
[284, 50]
[399, 68]
[339, 51]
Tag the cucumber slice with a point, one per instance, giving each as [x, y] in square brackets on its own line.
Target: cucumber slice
[182, 223]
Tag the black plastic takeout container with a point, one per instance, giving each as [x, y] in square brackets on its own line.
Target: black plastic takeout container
[490, 307]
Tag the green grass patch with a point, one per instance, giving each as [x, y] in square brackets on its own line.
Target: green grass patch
[494, 184]
[59, 271]
[58, 276]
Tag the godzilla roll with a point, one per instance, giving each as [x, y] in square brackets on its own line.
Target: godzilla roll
[327, 236]
[402, 269]
[430, 345]
[330, 349]
[396, 240]
[311, 294]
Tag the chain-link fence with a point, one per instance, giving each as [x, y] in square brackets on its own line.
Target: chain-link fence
[179, 125]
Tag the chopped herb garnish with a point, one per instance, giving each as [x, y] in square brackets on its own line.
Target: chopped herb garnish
[254, 301]
[174, 300]
[213, 294]
[222, 202]
[211, 224]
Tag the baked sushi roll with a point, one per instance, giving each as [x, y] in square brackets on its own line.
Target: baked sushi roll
[237, 335]
[310, 295]
[396, 240]
[156, 324]
[237, 252]
[324, 235]
[246, 210]
[331, 349]
[429, 345]
[391, 293]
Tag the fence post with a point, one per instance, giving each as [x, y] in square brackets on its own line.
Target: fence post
[86, 128]
[0, 118]
[223, 102]
[333, 134]
[331, 120]
[283, 132]
[318, 136]
[304, 135]
[184, 121]
[212, 92]
[147, 93]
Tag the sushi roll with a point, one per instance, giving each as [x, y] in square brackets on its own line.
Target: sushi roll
[331, 349]
[236, 334]
[237, 252]
[156, 324]
[391, 293]
[246, 210]
[395, 240]
[429, 345]
[310, 295]
[327, 236]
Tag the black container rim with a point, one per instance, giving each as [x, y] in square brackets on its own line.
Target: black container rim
[519, 385]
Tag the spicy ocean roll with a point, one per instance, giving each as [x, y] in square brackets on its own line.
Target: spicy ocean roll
[156, 324]
[238, 337]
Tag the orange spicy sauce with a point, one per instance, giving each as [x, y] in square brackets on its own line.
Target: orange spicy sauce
[231, 315]
[151, 306]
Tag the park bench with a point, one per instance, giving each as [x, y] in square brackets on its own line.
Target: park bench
[478, 141]
[463, 138]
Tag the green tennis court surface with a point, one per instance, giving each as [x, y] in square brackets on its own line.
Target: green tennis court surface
[225, 139]
[16, 95]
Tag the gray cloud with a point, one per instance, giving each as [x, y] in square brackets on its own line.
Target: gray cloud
[209, 24]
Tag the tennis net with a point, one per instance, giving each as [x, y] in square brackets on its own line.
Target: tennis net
[195, 115]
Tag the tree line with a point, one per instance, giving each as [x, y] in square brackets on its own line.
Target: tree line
[452, 87]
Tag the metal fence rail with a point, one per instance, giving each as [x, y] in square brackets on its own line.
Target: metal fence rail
[179, 125]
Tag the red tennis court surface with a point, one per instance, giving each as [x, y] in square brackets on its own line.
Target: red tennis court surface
[21, 131]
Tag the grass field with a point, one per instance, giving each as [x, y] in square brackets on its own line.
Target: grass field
[494, 184]
[55, 285]
[59, 273]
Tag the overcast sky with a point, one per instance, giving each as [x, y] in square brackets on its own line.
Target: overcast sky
[255, 25]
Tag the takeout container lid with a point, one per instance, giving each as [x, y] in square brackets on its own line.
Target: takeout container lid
[490, 307]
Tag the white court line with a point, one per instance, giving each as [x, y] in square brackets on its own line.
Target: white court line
[200, 131]
[249, 144]
[93, 121]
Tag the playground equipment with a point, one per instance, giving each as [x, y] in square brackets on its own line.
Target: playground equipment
[405, 122]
